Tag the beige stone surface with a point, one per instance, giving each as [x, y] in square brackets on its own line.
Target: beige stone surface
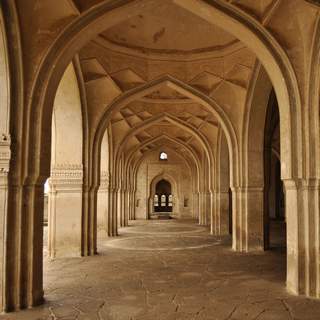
[93, 90]
[169, 270]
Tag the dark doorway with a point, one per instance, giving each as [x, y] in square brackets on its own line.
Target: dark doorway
[163, 197]
[274, 206]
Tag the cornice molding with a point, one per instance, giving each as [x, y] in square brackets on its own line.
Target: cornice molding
[170, 55]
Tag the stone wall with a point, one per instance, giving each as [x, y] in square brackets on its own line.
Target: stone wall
[180, 177]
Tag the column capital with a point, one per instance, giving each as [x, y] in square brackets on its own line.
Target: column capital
[301, 183]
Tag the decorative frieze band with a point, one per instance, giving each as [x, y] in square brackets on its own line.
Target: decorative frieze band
[5, 153]
[66, 176]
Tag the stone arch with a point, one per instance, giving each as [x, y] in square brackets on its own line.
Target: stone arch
[5, 144]
[35, 149]
[298, 275]
[266, 47]
[189, 92]
[193, 155]
[254, 122]
[152, 189]
[178, 142]
[203, 141]
[230, 19]
[198, 136]
[196, 203]
[277, 65]
[313, 168]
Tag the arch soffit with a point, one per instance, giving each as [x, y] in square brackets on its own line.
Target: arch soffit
[314, 102]
[5, 80]
[256, 106]
[197, 96]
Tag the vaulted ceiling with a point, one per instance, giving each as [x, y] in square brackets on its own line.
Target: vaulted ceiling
[158, 41]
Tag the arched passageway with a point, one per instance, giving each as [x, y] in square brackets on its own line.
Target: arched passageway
[163, 197]
[274, 200]
[202, 98]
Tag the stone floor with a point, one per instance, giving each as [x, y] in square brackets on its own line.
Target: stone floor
[169, 270]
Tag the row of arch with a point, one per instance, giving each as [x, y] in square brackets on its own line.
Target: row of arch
[31, 131]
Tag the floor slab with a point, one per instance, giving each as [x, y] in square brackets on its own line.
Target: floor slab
[169, 270]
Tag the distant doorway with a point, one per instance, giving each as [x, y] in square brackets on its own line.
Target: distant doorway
[163, 197]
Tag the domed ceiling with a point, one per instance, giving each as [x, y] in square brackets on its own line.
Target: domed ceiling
[169, 29]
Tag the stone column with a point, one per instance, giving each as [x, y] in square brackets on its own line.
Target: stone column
[5, 155]
[196, 205]
[65, 211]
[130, 205]
[151, 207]
[210, 207]
[133, 204]
[203, 208]
[112, 216]
[220, 215]
[103, 195]
[247, 219]
[302, 212]
[126, 207]
[120, 207]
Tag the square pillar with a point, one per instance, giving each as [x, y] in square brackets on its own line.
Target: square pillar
[302, 216]
[102, 205]
[65, 211]
[112, 212]
[247, 219]
[220, 224]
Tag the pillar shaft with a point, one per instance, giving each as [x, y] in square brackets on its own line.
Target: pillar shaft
[247, 219]
[102, 207]
[65, 211]
[220, 219]
[302, 212]
[112, 212]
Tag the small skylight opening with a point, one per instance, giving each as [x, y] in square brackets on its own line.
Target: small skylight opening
[163, 156]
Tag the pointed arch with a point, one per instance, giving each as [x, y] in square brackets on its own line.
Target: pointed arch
[190, 92]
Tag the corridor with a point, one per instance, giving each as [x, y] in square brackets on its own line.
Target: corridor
[168, 269]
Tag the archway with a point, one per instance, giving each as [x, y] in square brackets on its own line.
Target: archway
[190, 202]
[165, 187]
[274, 206]
[34, 143]
[206, 194]
[163, 201]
